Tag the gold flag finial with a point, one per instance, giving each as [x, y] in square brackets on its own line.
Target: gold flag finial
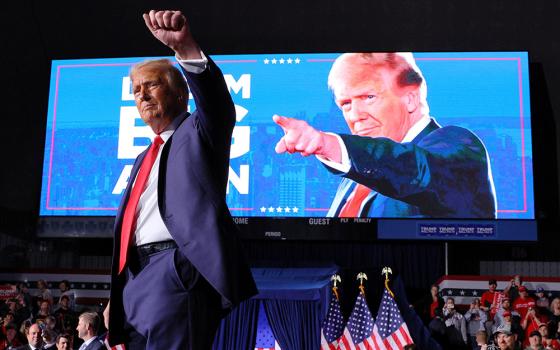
[387, 271]
[362, 276]
[335, 279]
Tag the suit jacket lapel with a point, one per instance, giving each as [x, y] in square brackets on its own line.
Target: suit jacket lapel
[344, 189]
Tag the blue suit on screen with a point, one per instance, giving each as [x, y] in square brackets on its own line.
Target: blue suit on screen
[443, 173]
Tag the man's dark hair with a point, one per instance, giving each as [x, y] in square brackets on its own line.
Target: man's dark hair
[63, 335]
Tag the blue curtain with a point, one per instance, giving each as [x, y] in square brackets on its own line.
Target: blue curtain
[239, 329]
[295, 323]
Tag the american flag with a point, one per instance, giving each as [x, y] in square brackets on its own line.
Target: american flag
[390, 331]
[265, 338]
[358, 333]
[109, 347]
[333, 326]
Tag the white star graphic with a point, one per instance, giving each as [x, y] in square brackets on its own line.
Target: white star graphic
[273, 61]
[271, 209]
[263, 209]
[475, 293]
[289, 60]
[295, 209]
[449, 292]
[279, 210]
[297, 60]
[266, 60]
[287, 209]
[281, 61]
[462, 292]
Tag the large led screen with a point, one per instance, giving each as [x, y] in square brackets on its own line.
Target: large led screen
[475, 162]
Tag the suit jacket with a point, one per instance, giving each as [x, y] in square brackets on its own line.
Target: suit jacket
[193, 175]
[27, 347]
[96, 344]
[443, 173]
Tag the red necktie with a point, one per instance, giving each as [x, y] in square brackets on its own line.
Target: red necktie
[351, 208]
[129, 217]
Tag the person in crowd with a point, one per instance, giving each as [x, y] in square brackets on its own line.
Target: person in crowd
[427, 305]
[44, 292]
[66, 319]
[512, 289]
[491, 299]
[20, 313]
[481, 340]
[476, 319]
[505, 308]
[521, 304]
[64, 287]
[541, 299]
[9, 318]
[548, 343]
[49, 339]
[51, 324]
[437, 328]
[535, 341]
[88, 326]
[64, 342]
[505, 339]
[532, 321]
[34, 338]
[454, 319]
[436, 301]
[554, 312]
[23, 291]
[509, 321]
[43, 313]
[10, 339]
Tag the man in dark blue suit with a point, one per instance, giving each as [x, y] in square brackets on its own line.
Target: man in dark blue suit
[398, 162]
[177, 265]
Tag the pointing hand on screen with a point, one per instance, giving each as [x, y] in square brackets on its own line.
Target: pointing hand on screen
[172, 29]
[303, 138]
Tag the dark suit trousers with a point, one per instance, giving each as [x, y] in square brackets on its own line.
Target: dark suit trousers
[168, 304]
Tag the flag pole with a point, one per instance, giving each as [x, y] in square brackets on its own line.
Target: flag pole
[335, 279]
[387, 271]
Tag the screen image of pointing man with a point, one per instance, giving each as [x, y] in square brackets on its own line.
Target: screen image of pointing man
[397, 160]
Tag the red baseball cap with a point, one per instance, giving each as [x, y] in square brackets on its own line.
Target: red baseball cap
[506, 314]
[522, 289]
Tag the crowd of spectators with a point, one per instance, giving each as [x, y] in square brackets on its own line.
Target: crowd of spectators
[509, 319]
[41, 321]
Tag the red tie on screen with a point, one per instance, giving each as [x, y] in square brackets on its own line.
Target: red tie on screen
[129, 218]
[351, 208]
